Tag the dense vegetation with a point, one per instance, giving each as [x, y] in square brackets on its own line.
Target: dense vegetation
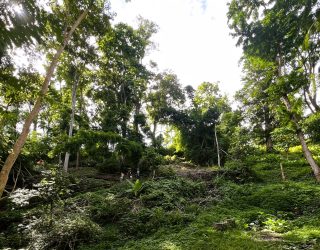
[103, 151]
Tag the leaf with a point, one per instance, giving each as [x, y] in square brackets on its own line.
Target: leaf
[306, 42]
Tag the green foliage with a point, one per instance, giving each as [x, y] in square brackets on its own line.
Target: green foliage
[103, 207]
[24, 28]
[136, 187]
[148, 221]
[150, 159]
[170, 194]
[311, 126]
[129, 153]
[197, 125]
[284, 138]
[179, 212]
[238, 172]
[109, 165]
[241, 144]
[37, 147]
[9, 217]
[67, 230]
[54, 186]
[279, 223]
[166, 171]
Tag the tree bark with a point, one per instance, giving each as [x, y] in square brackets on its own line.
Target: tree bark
[80, 123]
[268, 129]
[218, 149]
[73, 109]
[283, 176]
[4, 174]
[313, 100]
[78, 159]
[154, 131]
[307, 153]
[307, 102]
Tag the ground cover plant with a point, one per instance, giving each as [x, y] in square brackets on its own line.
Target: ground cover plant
[100, 148]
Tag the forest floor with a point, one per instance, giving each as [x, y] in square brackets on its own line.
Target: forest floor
[245, 205]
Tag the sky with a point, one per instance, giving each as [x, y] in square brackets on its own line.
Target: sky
[193, 40]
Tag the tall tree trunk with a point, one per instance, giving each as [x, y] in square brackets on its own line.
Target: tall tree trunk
[124, 128]
[36, 108]
[78, 159]
[154, 131]
[73, 109]
[217, 143]
[313, 99]
[80, 125]
[307, 102]
[135, 122]
[268, 129]
[307, 153]
[35, 124]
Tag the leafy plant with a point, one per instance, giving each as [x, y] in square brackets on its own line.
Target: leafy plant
[136, 187]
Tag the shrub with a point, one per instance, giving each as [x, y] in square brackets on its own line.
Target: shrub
[109, 165]
[286, 197]
[166, 171]
[238, 172]
[170, 194]
[150, 160]
[277, 223]
[148, 221]
[65, 230]
[129, 153]
[103, 207]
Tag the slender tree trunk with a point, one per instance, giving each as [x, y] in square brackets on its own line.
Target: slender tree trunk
[269, 143]
[35, 124]
[80, 123]
[217, 143]
[154, 131]
[59, 160]
[78, 159]
[313, 95]
[73, 109]
[124, 126]
[313, 99]
[307, 102]
[268, 129]
[36, 108]
[307, 153]
[283, 176]
[136, 123]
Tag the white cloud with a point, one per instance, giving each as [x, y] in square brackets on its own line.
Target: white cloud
[193, 39]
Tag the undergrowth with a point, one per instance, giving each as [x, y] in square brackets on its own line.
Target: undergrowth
[172, 212]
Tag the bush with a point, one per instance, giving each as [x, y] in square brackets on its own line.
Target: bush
[279, 223]
[129, 153]
[238, 172]
[109, 165]
[289, 197]
[170, 194]
[150, 160]
[103, 207]
[148, 221]
[166, 171]
[65, 230]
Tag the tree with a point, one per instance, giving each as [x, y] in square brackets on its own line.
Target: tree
[19, 24]
[79, 11]
[256, 103]
[275, 32]
[199, 133]
[165, 93]
[123, 79]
